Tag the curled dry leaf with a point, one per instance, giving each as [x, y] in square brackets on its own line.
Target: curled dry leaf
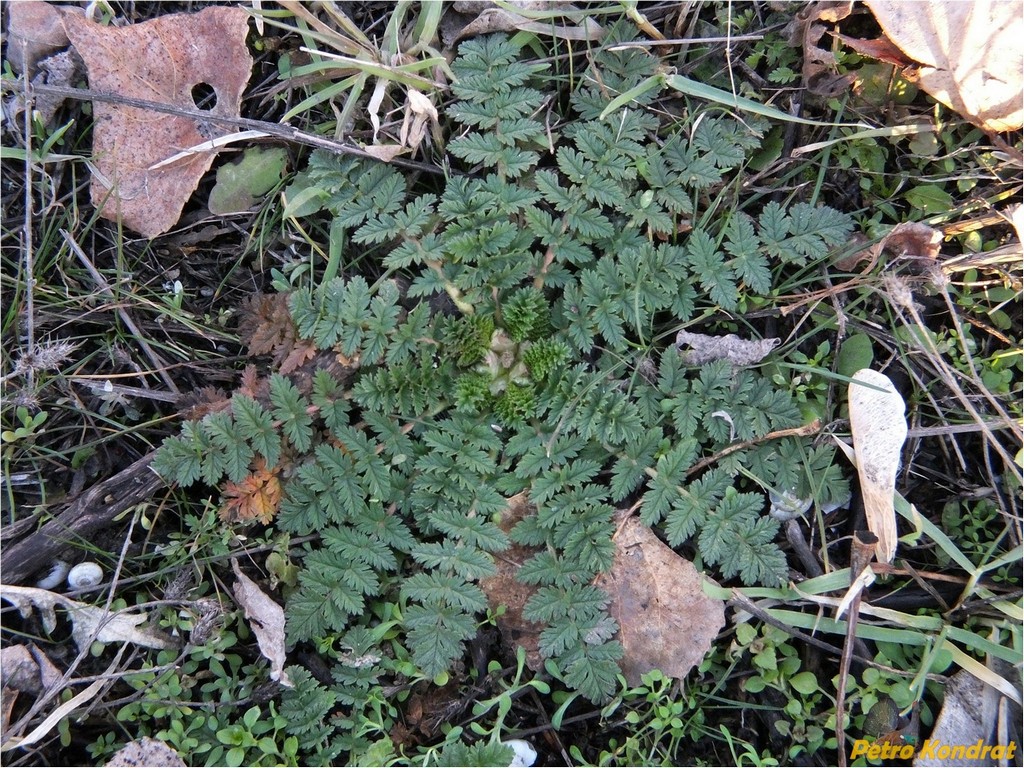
[164, 60]
[420, 112]
[707, 349]
[492, 18]
[88, 622]
[665, 620]
[266, 618]
[820, 69]
[878, 426]
[26, 668]
[968, 53]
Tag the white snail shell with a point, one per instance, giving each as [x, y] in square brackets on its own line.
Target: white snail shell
[55, 577]
[523, 753]
[85, 576]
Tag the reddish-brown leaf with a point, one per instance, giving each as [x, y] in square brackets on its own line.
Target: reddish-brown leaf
[257, 497]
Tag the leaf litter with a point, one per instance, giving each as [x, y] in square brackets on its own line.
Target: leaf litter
[665, 620]
[266, 619]
[169, 60]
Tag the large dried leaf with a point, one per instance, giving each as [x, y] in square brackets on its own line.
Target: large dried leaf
[665, 620]
[266, 618]
[162, 60]
[88, 622]
[969, 53]
[910, 239]
[878, 425]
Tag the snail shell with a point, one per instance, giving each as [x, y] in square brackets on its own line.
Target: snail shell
[55, 577]
[85, 576]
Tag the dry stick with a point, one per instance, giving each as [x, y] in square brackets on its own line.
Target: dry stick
[806, 430]
[862, 548]
[104, 287]
[30, 265]
[277, 130]
[95, 509]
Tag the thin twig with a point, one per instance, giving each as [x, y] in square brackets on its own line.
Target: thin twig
[30, 262]
[277, 130]
[104, 287]
[805, 430]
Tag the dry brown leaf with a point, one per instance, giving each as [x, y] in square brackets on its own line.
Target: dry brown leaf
[26, 668]
[880, 48]
[251, 384]
[665, 620]
[502, 589]
[707, 349]
[266, 618]
[161, 60]
[8, 698]
[34, 30]
[256, 497]
[267, 328]
[146, 751]
[820, 73]
[878, 426]
[909, 239]
[969, 53]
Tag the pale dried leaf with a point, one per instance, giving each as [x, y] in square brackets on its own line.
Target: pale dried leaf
[419, 113]
[969, 715]
[665, 620]
[491, 18]
[266, 618]
[385, 152]
[65, 709]
[1017, 219]
[970, 54]
[26, 668]
[88, 622]
[707, 349]
[878, 426]
[146, 751]
[160, 60]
